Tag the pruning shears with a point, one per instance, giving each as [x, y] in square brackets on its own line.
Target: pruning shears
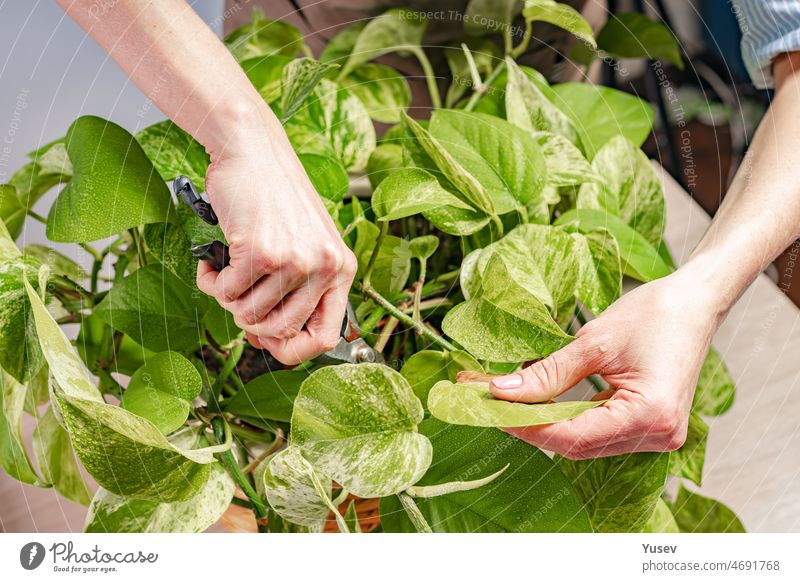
[351, 347]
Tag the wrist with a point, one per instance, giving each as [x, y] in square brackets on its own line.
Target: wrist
[237, 127]
[713, 281]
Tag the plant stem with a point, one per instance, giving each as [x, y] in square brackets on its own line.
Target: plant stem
[251, 435]
[476, 95]
[274, 446]
[241, 503]
[386, 333]
[374, 256]
[370, 322]
[526, 39]
[137, 242]
[227, 368]
[473, 68]
[414, 514]
[409, 321]
[430, 77]
[232, 465]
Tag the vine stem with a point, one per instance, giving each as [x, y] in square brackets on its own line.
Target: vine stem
[375, 252]
[476, 95]
[232, 465]
[526, 40]
[406, 319]
[430, 77]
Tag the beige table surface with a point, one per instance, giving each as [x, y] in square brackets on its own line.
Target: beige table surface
[753, 461]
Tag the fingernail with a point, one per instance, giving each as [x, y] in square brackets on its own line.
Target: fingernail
[508, 382]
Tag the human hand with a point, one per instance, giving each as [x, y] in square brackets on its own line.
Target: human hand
[649, 346]
[288, 264]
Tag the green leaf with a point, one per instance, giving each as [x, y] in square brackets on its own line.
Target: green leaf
[472, 404]
[358, 424]
[632, 35]
[340, 46]
[167, 243]
[220, 324]
[20, 354]
[551, 264]
[688, 460]
[327, 174]
[410, 191]
[621, 492]
[13, 456]
[125, 453]
[12, 212]
[631, 188]
[114, 186]
[503, 322]
[426, 368]
[490, 16]
[155, 308]
[110, 513]
[393, 264]
[270, 396]
[530, 496]
[162, 390]
[290, 490]
[57, 461]
[383, 90]
[565, 163]
[715, 389]
[385, 159]
[695, 513]
[58, 263]
[600, 113]
[529, 108]
[262, 36]
[662, 520]
[174, 152]
[639, 259]
[600, 269]
[561, 15]
[266, 75]
[502, 157]
[336, 118]
[298, 79]
[50, 167]
[423, 247]
[454, 173]
[398, 30]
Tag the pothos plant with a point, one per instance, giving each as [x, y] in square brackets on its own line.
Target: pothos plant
[486, 234]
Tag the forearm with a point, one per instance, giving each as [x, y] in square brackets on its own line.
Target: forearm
[760, 215]
[176, 60]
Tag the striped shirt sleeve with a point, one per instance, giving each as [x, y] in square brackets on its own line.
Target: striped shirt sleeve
[769, 28]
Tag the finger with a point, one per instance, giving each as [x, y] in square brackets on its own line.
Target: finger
[206, 277]
[254, 340]
[608, 424]
[547, 378]
[287, 319]
[635, 445]
[256, 303]
[320, 335]
[240, 274]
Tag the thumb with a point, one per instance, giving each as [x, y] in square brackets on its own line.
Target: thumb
[547, 378]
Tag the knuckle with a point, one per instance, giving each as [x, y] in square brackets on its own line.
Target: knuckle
[328, 341]
[544, 373]
[675, 440]
[350, 266]
[664, 419]
[285, 332]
